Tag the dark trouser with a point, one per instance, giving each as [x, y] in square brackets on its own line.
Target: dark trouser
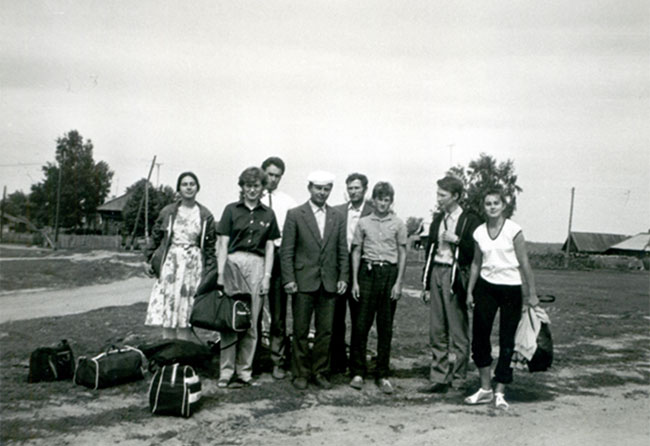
[303, 305]
[278, 309]
[488, 298]
[375, 285]
[338, 355]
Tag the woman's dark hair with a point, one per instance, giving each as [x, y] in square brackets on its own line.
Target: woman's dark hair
[251, 175]
[496, 191]
[187, 174]
[383, 189]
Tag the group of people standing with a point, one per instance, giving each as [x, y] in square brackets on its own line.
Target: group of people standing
[331, 259]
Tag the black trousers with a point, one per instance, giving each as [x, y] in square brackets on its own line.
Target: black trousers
[488, 298]
[320, 304]
[278, 309]
[338, 354]
[375, 285]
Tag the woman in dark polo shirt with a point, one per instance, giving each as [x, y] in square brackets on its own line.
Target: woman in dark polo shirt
[246, 232]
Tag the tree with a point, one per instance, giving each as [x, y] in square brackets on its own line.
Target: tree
[158, 199]
[84, 184]
[413, 225]
[483, 174]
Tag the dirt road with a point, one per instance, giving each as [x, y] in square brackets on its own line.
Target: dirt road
[31, 304]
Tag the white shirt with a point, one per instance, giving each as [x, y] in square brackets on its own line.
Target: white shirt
[500, 265]
[319, 213]
[280, 203]
[354, 215]
[444, 254]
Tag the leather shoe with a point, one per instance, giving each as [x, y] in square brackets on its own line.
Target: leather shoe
[278, 373]
[322, 382]
[300, 383]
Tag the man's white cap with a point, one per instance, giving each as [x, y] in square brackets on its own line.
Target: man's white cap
[321, 178]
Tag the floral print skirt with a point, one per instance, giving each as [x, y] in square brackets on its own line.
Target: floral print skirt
[172, 296]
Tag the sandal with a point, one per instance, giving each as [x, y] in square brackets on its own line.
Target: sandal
[223, 383]
[500, 401]
[480, 397]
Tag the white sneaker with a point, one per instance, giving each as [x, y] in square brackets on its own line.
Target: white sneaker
[500, 401]
[480, 397]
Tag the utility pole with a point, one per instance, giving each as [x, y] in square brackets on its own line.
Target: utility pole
[58, 204]
[568, 239]
[2, 213]
[158, 174]
[146, 185]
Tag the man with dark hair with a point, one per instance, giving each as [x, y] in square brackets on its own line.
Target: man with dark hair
[352, 211]
[315, 269]
[378, 264]
[450, 249]
[280, 203]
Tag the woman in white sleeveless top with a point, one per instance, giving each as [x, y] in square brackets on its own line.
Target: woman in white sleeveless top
[499, 277]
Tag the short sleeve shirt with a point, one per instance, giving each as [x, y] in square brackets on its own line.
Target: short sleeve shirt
[248, 229]
[500, 265]
[379, 238]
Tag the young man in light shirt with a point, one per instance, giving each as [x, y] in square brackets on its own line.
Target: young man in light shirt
[280, 203]
[450, 249]
[352, 211]
[378, 264]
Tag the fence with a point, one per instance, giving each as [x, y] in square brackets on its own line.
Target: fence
[71, 241]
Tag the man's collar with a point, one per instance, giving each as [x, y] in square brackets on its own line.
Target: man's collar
[315, 208]
[388, 216]
[455, 213]
[351, 206]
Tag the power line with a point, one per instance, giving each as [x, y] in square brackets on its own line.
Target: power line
[21, 164]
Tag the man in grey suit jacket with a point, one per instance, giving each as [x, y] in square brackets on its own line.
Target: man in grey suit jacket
[352, 211]
[315, 269]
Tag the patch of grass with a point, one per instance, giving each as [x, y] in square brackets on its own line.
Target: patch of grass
[64, 273]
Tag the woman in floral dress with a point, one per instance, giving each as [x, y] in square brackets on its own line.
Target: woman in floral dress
[187, 231]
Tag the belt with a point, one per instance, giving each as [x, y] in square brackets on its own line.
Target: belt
[443, 265]
[378, 263]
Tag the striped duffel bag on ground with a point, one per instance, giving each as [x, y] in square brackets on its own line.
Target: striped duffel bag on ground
[175, 390]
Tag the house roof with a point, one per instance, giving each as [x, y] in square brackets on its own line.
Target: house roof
[636, 243]
[593, 241]
[116, 204]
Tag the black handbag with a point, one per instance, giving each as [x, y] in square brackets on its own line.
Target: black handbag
[543, 357]
[172, 351]
[110, 368]
[51, 363]
[219, 312]
[223, 311]
[174, 390]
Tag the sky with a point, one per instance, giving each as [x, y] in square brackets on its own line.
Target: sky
[399, 91]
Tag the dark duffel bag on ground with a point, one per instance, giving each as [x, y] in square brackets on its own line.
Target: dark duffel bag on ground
[171, 351]
[174, 390]
[51, 363]
[114, 366]
[218, 312]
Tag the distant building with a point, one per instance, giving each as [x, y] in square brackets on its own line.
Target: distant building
[111, 214]
[637, 245]
[592, 242]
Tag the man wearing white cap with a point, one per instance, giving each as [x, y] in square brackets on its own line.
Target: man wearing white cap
[315, 269]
